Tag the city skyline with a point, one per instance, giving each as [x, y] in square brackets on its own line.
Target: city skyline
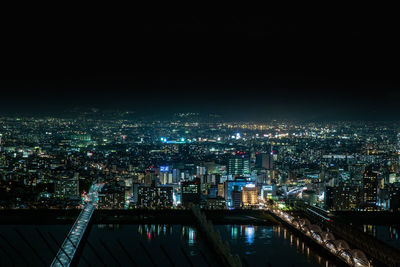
[236, 140]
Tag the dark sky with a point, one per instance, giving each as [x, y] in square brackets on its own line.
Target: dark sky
[320, 67]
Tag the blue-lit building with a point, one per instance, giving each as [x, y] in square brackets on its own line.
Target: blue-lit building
[229, 187]
[212, 191]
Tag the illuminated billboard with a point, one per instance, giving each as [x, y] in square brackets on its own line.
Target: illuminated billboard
[164, 168]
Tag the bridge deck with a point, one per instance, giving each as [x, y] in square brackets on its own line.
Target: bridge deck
[71, 243]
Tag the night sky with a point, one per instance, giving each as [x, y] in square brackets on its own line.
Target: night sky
[321, 67]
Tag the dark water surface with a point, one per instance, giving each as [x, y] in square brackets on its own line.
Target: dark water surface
[257, 245]
[146, 245]
[390, 234]
[270, 245]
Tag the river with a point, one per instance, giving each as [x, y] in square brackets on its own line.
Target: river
[146, 245]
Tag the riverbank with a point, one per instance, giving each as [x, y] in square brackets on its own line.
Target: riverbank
[167, 216]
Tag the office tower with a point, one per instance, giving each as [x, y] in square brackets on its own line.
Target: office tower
[112, 196]
[221, 190]
[190, 192]
[345, 197]
[217, 203]
[268, 192]
[369, 190]
[249, 196]
[155, 196]
[329, 197]
[394, 197]
[212, 191]
[265, 161]
[135, 192]
[175, 175]
[149, 178]
[236, 197]
[262, 177]
[212, 178]
[164, 177]
[200, 170]
[239, 165]
[67, 187]
[229, 187]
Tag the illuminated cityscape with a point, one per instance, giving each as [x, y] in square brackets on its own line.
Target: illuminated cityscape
[200, 141]
[51, 163]
[311, 162]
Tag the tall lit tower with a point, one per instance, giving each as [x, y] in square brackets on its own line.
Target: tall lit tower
[370, 187]
[239, 165]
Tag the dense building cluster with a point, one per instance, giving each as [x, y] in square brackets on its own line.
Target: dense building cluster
[51, 163]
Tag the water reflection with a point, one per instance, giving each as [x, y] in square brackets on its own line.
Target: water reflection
[108, 226]
[249, 234]
[394, 233]
[234, 232]
[275, 245]
[386, 233]
[301, 246]
[188, 234]
[146, 244]
[243, 230]
[258, 245]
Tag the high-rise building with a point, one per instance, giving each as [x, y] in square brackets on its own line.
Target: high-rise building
[229, 187]
[265, 160]
[394, 197]
[212, 178]
[149, 178]
[268, 192]
[345, 197]
[369, 190]
[164, 177]
[217, 203]
[175, 175]
[112, 196]
[329, 197]
[221, 190]
[190, 192]
[236, 197]
[200, 170]
[239, 165]
[249, 196]
[135, 192]
[212, 191]
[155, 196]
[67, 187]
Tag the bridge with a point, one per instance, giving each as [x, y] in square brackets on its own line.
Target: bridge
[71, 243]
[339, 248]
[379, 252]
